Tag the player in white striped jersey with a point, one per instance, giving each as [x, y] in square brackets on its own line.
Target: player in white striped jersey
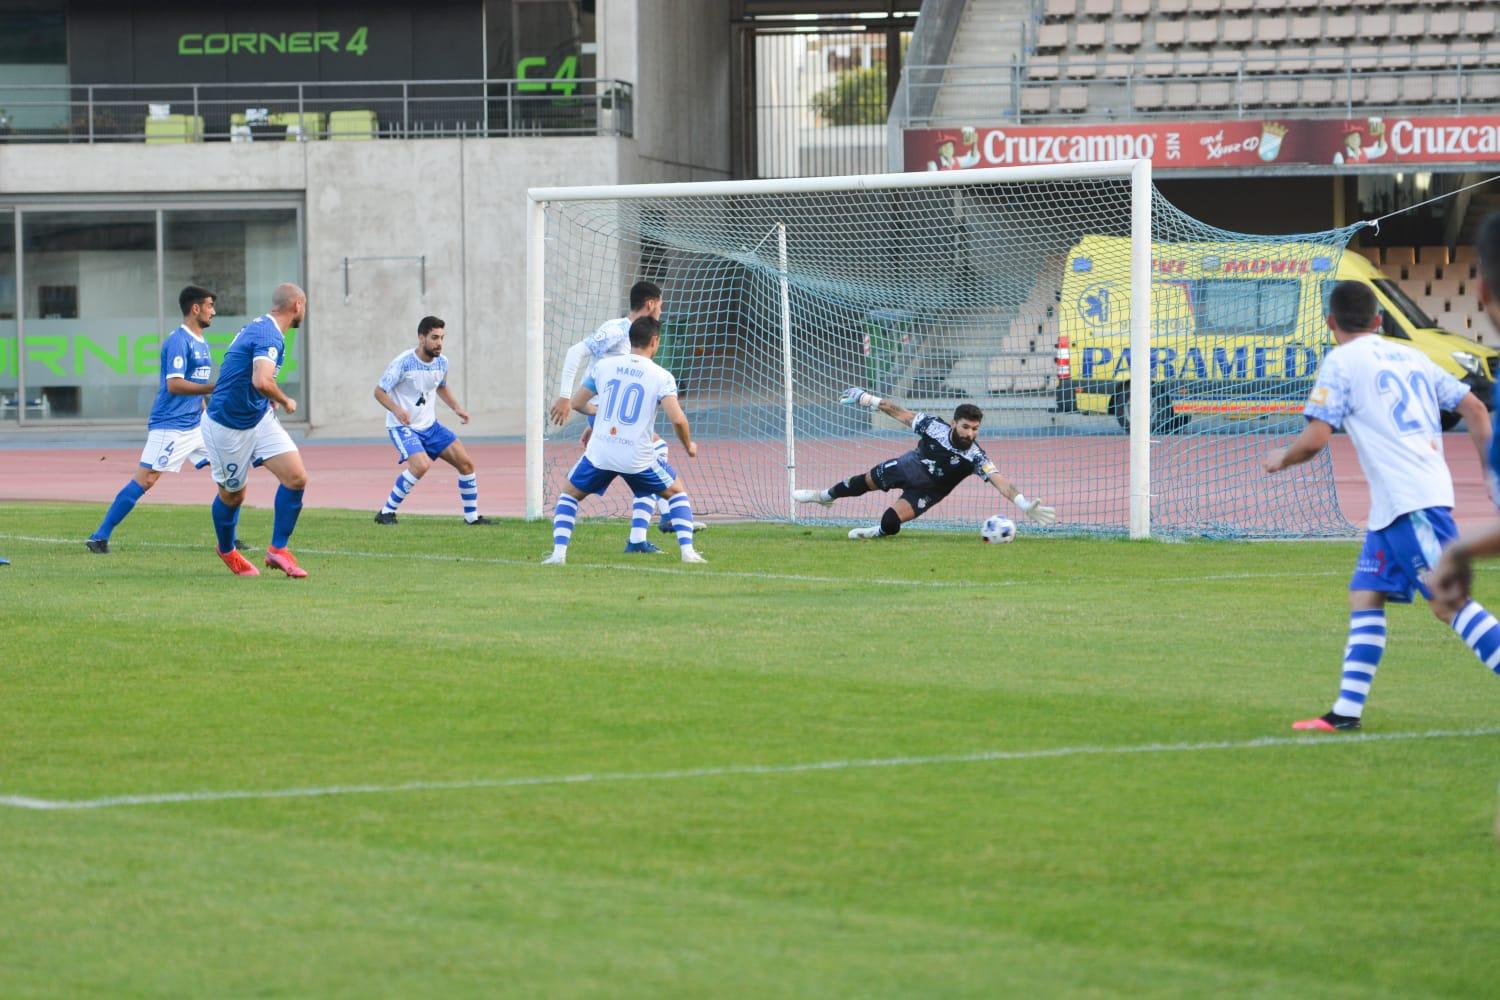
[612, 338]
[409, 389]
[1387, 396]
[630, 388]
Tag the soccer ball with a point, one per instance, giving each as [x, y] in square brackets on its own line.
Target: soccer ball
[998, 529]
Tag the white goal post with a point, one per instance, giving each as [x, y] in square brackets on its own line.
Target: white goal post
[548, 333]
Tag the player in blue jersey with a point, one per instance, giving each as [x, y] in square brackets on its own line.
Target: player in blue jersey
[630, 387]
[408, 389]
[240, 429]
[1387, 396]
[173, 435]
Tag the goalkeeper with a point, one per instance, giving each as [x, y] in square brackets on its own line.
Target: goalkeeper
[946, 454]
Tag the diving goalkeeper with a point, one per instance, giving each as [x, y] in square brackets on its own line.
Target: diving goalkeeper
[945, 455]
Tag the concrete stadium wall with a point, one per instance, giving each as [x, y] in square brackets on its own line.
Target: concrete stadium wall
[459, 202]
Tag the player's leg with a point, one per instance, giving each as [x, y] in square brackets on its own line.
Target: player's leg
[408, 452]
[274, 448]
[124, 502]
[230, 452]
[891, 521]
[457, 456]
[583, 480]
[680, 506]
[1434, 529]
[641, 509]
[856, 485]
[664, 506]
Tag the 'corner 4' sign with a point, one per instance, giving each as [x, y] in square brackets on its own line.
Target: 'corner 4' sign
[262, 43]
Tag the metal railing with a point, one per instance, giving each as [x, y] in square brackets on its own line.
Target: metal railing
[1144, 89]
[254, 112]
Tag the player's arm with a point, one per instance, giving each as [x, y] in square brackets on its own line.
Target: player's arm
[1477, 420]
[446, 395]
[574, 358]
[384, 399]
[583, 399]
[673, 410]
[1313, 439]
[263, 378]
[181, 385]
[1034, 510]
[854, 396]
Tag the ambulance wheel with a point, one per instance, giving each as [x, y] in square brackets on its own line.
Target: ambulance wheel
[1163, 420]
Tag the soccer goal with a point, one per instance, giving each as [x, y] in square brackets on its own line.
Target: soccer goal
[1028, 291]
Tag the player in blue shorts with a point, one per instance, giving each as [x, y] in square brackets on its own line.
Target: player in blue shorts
[624, 392]
[407, 389]
[173, 434]
[1387, 396]
[240, 430]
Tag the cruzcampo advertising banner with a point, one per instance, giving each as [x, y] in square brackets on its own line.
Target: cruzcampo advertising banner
[1200, 145]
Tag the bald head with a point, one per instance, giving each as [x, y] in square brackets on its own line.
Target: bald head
[289, 303]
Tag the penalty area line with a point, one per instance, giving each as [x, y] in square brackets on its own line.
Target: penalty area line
[35, 804]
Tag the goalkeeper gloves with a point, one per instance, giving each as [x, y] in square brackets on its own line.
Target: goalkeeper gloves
[859, 397]
[1035, 511]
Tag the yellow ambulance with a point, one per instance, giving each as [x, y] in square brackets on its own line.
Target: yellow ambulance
[1238, 329]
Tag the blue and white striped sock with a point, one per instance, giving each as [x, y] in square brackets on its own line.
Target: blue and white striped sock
[682, 521]
[1480, 632]
[662, 506]
[563, 519]
[1361, 658]
[468, 492]
[404, 484]
[640, 518]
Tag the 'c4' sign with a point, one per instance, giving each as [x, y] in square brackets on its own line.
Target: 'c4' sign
[263, 43]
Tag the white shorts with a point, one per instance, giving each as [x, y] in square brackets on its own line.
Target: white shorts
[231, 452]
[167, 449]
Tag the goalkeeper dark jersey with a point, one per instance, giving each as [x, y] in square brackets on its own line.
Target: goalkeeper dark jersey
[934, 467]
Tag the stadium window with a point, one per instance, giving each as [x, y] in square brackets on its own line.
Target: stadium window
[33, 51]
[1231, 307]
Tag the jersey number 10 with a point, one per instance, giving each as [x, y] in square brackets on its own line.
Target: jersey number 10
[630, 401]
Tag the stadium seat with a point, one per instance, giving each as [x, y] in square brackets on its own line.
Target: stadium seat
[1182, 95]
[1204, 7]
[1446, 87]
[1252, 93]
[1098, 8]
[1158, 65]
[173, 129]
[1147, 96]
[1482, 87]
[1399, 257]
[1363, 57]
[1215, 94]
[1238, 31]
[1374, 27]
[1088, 35]
[1081, 67]
[1409, 26]
[1051, 37]
[1171, 6]
[1427, 56]
[1202, 31]
[1294, 59]
[1058, 10]
[1270, 30]
[1036, 100]
[1436, 257]
[1260, 60]
[1126, 34]
[1417, 88]
[1283, 91]
[1037, 68]
[1302, 5]
[1340, 27]
[1169, 34]
[1271, 6]
[1072, 98]
[1479, 23]
[347, 126]
[1193, 63]
[1135, 8]
[308, 125]
[1306, 29]
[1444, 24]
[1238, 6]
[1382, 90]
[1316, 90]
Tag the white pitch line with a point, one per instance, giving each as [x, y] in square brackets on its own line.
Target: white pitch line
[736, 574]
[608, 777]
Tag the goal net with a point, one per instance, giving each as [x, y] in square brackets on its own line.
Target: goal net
[1022, 291]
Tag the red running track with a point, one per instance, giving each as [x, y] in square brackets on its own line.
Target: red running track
[359, 476]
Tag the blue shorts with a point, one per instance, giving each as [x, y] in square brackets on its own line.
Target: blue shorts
[434, 440]
[648, 482]
[1395, 557]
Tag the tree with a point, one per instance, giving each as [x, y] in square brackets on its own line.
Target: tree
[857, 97]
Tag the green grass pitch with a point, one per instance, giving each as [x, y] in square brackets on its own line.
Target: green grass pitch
[433, 653]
